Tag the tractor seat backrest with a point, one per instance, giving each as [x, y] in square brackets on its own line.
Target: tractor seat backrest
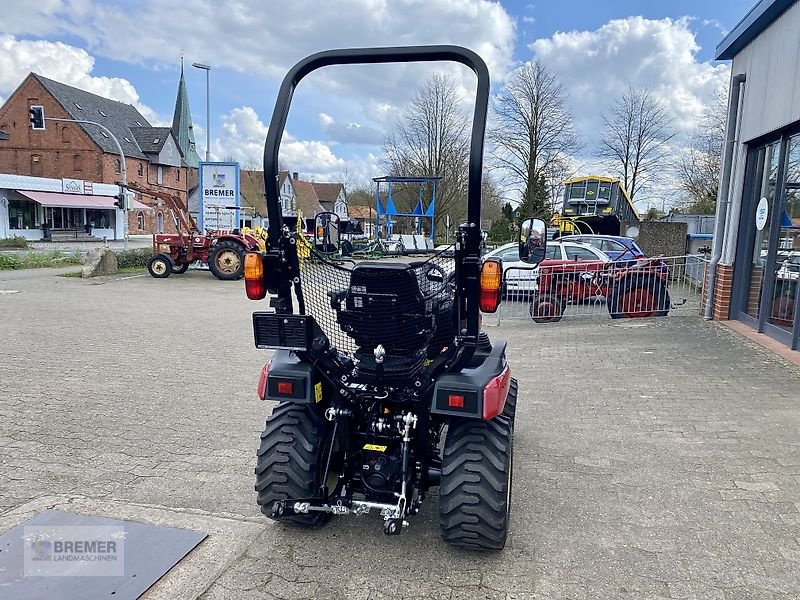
[383, 305]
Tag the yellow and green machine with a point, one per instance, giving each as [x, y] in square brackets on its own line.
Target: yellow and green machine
[595, 205]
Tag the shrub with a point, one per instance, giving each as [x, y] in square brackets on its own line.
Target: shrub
[133, 259]
[14, 242]
[10, 262]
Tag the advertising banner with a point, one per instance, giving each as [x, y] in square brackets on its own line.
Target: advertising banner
[218, 196]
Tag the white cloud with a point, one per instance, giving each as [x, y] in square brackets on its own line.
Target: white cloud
[242, 139]
[264, 43]
[597, 66]
[64, 63]
[350, 133]
[661, 55]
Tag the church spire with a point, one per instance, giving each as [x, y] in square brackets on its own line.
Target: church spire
[182, 129]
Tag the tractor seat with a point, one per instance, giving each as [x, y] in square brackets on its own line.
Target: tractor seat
[383, 305]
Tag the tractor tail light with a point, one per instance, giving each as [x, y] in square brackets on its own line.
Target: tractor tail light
[491, 282]
[262, 382]
[254, 283]
[495, 394]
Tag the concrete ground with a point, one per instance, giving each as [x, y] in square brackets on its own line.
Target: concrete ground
[653, 458]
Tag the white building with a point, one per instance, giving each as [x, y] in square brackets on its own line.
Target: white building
[60, 209]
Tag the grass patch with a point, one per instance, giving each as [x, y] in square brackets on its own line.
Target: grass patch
[131, 270]
[39, 260]
[72, 274]
[133, 259]
[16, 242]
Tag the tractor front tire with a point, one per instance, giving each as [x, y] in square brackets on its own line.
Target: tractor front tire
[160, 266]
[226, 260]
[475, 486]
[291, 460]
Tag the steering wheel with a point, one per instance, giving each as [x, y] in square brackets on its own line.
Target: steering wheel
[436, 280]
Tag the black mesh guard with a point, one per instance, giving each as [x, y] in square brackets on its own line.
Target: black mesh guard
[402, 304]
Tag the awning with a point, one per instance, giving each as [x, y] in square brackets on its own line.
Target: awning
[56, 199]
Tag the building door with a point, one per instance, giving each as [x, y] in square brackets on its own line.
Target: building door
[782, 303]
[762, 172]
[766, 289]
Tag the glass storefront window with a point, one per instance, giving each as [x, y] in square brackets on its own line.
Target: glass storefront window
[787, 263]
[23, 214]
[766, 176]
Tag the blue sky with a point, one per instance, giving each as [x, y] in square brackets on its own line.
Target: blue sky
[131, 51]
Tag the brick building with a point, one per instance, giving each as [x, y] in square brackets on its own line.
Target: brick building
[159, 158]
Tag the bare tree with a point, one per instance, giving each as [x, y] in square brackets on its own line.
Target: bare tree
[533, 135]
[636, 138]
[432, 139]
[698, 168]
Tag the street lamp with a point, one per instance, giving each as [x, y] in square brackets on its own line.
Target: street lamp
[123, 166]
[207, 69]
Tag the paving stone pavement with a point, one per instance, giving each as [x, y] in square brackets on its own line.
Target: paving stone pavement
[653, 458]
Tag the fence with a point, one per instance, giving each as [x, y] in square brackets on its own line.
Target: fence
[623, 289]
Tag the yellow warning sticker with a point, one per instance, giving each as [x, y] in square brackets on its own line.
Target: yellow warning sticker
[375, 447]
[318, 392]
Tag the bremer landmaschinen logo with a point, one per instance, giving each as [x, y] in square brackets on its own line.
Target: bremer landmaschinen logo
[74, 550]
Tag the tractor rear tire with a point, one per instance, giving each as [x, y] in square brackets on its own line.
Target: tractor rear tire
[546, 309]
[160, 266]
[226, 260]
[475, 485]
[180, 269]
[639, 297]
[291, 459]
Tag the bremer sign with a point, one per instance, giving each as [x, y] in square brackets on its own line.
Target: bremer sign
[219, 195]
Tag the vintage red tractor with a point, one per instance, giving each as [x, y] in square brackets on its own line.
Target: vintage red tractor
[222, 250]
[631, 289]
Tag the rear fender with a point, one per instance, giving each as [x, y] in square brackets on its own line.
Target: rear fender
[476, 393]
[287, 378]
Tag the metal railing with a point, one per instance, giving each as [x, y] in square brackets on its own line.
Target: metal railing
[623, 289]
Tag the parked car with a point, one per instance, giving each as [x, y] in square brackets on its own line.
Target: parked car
[520, 280]
[617, 247]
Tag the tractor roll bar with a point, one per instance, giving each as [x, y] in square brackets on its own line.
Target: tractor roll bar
[375, 56]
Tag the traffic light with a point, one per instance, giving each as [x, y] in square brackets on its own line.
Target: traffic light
[37, 117]
[119, 201]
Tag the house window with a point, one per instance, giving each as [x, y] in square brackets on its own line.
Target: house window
[140, 169]
[65, 135]
[178, 175]
[160, 223]
[36, 165]
[117, 166]
[77, 163]
[140, 220]
[160, 176]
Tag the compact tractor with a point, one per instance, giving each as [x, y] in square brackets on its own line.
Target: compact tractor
[385, 384]
[222, 250]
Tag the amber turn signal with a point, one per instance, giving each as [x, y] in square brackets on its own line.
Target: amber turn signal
[254, 284]
[491, 283]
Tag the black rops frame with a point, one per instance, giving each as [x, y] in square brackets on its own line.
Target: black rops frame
[467, 272]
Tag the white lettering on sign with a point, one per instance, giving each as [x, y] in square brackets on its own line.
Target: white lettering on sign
[762, 214]
[219, 196]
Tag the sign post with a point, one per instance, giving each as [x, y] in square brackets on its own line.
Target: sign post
[218, 198]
